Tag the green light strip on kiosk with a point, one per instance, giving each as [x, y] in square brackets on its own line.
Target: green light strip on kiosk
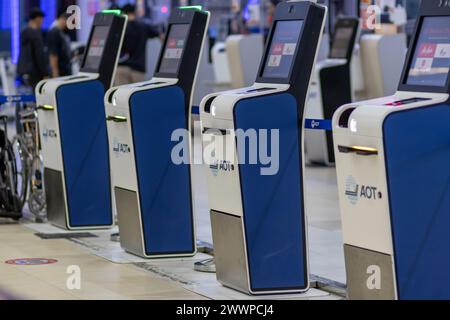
[197, 8]
[117, 12]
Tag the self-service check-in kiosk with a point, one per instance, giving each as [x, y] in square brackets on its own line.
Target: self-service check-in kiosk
[392, 157]
[331, 88]
[258, 212]
[153, 193]
[73, 132]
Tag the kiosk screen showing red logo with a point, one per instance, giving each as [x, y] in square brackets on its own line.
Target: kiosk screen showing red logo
[283, 47]
[431, 62]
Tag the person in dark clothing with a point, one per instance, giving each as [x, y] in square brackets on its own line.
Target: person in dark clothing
[386, 15]
[32, 65]
[132, 65]
[59, 47]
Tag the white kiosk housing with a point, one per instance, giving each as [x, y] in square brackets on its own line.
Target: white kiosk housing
[394, 176]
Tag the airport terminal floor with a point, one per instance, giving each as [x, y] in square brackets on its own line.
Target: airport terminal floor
[293, 150]
[107, 272]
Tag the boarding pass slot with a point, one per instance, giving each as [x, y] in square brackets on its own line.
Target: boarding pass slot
[117, 119]
[76, 78]
[151, 84]
[257, 90]
[359, 150]
[46, 108]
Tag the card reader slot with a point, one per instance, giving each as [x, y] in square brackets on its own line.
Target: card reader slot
[46, 107]
[117, 119]
[361, 151]
[76, 78]
[257, 90]
[151, 84]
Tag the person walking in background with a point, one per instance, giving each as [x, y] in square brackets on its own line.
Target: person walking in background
[132, 64]
[33, 64]
[59, 47]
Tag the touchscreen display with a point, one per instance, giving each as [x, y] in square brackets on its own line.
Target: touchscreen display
[341, 43]
[430, 64]
[173, 51]
[96, 48]
[280, 59]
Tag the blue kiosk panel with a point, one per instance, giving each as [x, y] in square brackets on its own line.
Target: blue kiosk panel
[273, 204]
[167, 227]
[417, 147]
[85, 153]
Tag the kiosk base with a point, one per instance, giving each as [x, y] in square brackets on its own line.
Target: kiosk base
[229, 251]
[130, 233]
[56, 210]
[360, 264]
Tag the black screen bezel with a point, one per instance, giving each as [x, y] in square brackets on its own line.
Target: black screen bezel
[285, 14]
[410, 62]
[197, 19]
[429, 8]
[117, 24]
[285, 80]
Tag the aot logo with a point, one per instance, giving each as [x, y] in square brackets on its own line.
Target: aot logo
[120, 148]
[225, 166]
[354, 191]
[49, 133]
[215, 168]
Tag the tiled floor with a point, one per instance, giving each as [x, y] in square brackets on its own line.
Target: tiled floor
[108, 273]
[100, 278]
